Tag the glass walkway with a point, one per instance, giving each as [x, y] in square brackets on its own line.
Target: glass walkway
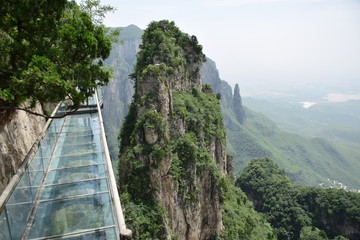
[67, 190]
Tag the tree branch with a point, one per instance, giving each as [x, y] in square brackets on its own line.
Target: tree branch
[39, 114]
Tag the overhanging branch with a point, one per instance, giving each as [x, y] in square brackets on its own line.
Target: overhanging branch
[39, 114]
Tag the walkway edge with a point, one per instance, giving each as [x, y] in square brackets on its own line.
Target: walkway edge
[124, 232]
[16, 178]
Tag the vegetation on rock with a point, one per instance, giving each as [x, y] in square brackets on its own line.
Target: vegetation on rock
[173, 147]
[292, 209]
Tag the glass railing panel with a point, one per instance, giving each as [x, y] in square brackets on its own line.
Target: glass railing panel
[100, 94]
[36, 177]
[4, 227]
[104, 234]
[21, 195]
[91, 101]
[68, 175]
[36, 164]
[55, 125]
[74, 189]
[43, 152]
[71, 215]
[50, 139]
[24, 181]
[77, 160]
[17, 217]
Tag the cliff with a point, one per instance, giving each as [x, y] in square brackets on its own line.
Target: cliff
[230, 103]
[117, 95]
[237, 105]
[18, 132]
[173, 142]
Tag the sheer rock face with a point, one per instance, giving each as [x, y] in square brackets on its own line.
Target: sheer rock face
[118, 93]
[210, 75]
[192, 210]
[17, 136]
[187, 219]
[229, 101]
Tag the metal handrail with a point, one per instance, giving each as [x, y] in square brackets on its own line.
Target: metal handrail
[124, 232]
[27, 160]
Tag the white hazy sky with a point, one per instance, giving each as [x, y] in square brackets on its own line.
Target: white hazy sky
[262, 41]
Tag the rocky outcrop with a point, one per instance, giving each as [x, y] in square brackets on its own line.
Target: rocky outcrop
[17, 135]
[117, 95]
[210, 75]
[173, 141]
[230, 103]
[237, 105]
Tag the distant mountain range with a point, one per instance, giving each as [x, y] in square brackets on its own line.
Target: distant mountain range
[310, 161]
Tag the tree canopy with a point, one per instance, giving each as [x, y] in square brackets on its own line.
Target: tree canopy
[50, 50]
[300, 212]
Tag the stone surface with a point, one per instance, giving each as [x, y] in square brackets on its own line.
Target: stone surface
[16, 138]
[193, 210]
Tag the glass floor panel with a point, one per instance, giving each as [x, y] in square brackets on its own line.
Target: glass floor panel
[79, 138]
[80, 132]
[78, 128]
[78, 149]
[69, 175]
[69, 172]
[71, 215]
[4, 228]
[82, 121]
[17, 217]
[77, 160]
[77, 118]
[74, 189]
[103, 234]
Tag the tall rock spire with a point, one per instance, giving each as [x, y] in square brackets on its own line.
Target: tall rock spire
[173, 150]
[237, 105]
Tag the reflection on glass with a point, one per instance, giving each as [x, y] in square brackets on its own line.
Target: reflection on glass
[73, 189]
[78, 148]
[20, 195]
[36, 177]
[68, 139]
[81, 133]
[71, 215]
[77, 160]
[108, 234]
[4, 229]
[17, 216]
[68, 175]
[76, 194]
[36, 164]
[43, 152]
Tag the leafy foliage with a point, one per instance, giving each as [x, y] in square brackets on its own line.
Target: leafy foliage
[164, 49]
[239, 218]
[52, 50]
[291, 208]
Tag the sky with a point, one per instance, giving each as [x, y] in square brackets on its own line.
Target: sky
[263, 43]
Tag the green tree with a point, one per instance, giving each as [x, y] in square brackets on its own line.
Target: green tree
[312, 233]
[51, 50]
